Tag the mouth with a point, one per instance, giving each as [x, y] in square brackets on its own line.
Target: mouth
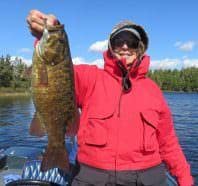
[122, 52]
[125, 55]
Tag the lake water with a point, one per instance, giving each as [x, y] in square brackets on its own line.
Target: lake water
[16, 114]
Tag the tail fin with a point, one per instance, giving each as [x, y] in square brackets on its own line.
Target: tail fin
[55, 158]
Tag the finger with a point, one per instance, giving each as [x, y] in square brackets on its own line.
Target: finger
[35, 27]
[51, 19]
[39, 21]
[36, 17]
[37, 31]
[37, 13]
[33, 21]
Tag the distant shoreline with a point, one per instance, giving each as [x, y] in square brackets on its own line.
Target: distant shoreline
[173, 91]
[13, 94]
[28, 93]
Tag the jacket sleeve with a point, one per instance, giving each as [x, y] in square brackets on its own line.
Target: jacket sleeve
[170, 150]
[85, 77]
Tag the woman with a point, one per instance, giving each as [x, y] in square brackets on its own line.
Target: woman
[126, 129]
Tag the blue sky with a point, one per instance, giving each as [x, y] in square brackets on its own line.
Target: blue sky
[171, 25]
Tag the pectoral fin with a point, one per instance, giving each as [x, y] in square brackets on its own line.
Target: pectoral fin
[36, 127]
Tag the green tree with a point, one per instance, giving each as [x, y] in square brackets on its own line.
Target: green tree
[6, 71]
[20, 80]
[176, 80]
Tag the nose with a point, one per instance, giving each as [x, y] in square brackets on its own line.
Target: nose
[125, 46]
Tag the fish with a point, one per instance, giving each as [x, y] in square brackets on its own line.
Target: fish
[53, 93]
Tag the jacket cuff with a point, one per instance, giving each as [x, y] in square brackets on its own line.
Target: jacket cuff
[186, 181]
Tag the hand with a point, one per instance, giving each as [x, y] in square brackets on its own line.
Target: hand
[36, 22]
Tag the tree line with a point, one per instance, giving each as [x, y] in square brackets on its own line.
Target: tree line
[14, 73]
[176, 80]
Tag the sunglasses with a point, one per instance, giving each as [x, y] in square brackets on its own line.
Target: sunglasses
[126, 83]
[125, 38]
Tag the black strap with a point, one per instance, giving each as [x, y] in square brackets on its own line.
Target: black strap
[126, 83]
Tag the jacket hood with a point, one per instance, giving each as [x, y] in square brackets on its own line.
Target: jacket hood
[138, 70]
[139, 67]
[135, 29]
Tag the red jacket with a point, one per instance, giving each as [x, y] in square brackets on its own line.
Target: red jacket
[125, 131]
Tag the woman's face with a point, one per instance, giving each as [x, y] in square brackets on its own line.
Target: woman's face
[125, 52]
[124, 45]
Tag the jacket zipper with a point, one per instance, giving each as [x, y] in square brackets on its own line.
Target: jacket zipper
[119, 103]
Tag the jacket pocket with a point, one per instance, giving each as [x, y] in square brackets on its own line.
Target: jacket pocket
[97, 128]
[150, 120]
[96, 134]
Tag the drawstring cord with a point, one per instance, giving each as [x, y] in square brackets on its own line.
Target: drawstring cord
[126, 83]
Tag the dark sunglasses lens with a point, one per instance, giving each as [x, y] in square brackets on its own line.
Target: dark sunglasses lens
[118, 42]
[131, 44]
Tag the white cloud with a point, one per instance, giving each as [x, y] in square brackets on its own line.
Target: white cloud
[25, 50]
[80, 60]
[99, 46]
[166, 64]
[190, 63]
[187, 46]
[174, 63]
[98, 62]
[26, 61]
